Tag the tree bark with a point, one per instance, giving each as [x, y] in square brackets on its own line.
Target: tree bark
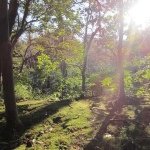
[24, 58]
[83, 75]
[83, 71]
[12, 119]
[0, 77]
[63, 67]
[87, 46]
[121, 91]
[8, 87]
[12, 13]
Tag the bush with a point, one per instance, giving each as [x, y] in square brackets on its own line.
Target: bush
[22, 91]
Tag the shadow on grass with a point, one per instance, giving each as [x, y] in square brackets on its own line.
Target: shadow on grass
[29, 120]
[137, 139]
[97, 141]
[39, 115]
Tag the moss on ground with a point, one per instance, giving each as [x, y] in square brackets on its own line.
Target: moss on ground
[68, 128]
[69, 125]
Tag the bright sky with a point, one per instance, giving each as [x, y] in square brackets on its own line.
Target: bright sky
[140, 13]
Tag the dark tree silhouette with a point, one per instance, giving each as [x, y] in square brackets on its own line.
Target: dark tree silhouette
[6, 63]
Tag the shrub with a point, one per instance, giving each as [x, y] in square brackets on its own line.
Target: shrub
[22, 91]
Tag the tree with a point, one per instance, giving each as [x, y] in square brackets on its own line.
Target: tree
[6, 65]
[92, 20]
[121, 91]
[61, 47]
[17, 17]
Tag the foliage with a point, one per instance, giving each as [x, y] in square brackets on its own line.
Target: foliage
[45, 65]
[128, 80]
[23, 91]
[141, 77]
[72, 87]
[108, 83]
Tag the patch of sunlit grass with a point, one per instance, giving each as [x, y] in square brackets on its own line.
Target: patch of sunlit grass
[73, 128]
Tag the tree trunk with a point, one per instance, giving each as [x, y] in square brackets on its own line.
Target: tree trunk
[24, 58]
[0, 78]
[121, 92]
[84, 65]
[6, 69]
[87, 46]
[63, 67]
[8, 87]
[83, 75]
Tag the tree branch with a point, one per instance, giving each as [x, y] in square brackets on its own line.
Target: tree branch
[13, 9]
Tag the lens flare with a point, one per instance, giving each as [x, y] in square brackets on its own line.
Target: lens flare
[140, 13]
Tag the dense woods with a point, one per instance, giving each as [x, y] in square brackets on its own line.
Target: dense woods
[74, 74]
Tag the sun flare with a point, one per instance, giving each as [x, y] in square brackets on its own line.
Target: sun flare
[140, 13]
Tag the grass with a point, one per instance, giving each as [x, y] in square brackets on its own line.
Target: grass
[70, 131]
[129, 111]
[61, 125]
